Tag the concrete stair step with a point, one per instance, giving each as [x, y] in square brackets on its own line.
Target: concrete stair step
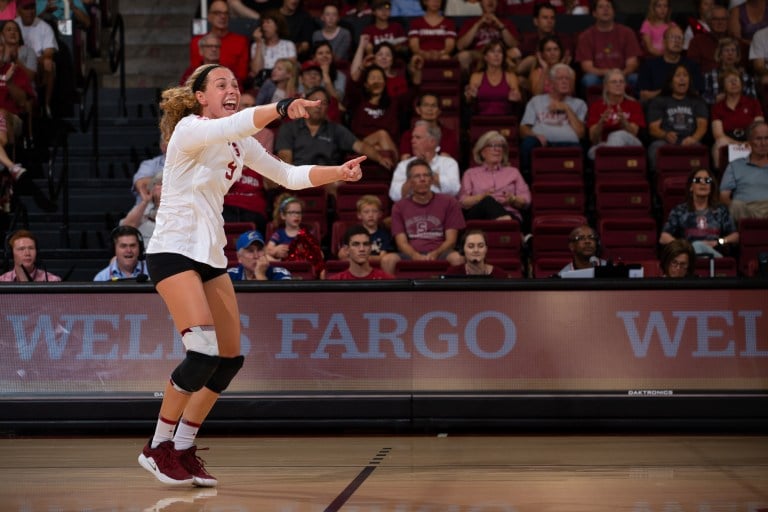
[148, 29]
[115, 203]
[158, 10]
[75, 264]
[51, 239]
[160, 80]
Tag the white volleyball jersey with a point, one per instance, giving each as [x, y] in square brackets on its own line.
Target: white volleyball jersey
[204, 158]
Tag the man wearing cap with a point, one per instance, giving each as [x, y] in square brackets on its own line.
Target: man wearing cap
[253, 263]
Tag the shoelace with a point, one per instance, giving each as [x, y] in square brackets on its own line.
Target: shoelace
[192, 461]
[164, 458]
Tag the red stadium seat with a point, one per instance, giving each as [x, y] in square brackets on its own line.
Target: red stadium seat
[716, 267]
[550, 236]
[548, 267]
[448, 99]
[622, 197]
[348, 194]
[512, 266]
[507, 126]
[628, 238]
[651, 268]
[679, 161]
[557, 197]
[612, 162]
[753, 240]
[503, 237]
[336, 266]
[674, 190]
[555, 163]
[440, 73]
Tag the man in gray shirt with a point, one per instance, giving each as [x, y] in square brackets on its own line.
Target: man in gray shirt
[554, 119]
[745, 182]
[316, 140]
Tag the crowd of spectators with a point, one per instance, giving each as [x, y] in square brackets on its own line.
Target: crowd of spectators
[668, 81]
[664, 81]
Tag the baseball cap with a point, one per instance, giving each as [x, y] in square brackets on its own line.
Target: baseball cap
[310, 64]
[247, 238]
[380, 3]
[26, 3]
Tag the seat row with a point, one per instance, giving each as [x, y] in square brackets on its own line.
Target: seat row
[622, 241]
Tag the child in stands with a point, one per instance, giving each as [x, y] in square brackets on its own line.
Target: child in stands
[655, 24]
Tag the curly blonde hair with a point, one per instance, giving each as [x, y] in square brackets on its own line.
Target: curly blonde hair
[178, 102]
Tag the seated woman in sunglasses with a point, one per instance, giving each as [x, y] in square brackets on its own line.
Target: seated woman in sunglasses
[701, 220]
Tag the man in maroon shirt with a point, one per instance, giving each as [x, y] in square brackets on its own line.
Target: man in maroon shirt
[544, 21]
[477, 32]
[701, 49]
[607, 45]
[426, 225]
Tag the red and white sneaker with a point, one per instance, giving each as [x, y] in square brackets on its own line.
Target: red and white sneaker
[164, 463]
[196, 467]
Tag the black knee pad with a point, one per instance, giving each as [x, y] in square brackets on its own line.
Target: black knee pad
[194, 371]
[228, 368]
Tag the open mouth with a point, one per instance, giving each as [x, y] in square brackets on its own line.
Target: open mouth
[230, 105]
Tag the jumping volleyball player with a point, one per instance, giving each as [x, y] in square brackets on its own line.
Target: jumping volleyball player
[209, 141]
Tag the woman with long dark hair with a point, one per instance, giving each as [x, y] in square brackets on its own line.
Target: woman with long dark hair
[701, 219]
[677, 115]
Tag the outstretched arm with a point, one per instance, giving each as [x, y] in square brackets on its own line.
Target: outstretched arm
[292, 108]
[348, 171]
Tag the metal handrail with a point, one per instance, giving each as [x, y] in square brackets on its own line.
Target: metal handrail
[89, 118]
[117, 59]
[61, 140]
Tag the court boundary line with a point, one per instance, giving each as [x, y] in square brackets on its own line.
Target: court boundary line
[356, 482]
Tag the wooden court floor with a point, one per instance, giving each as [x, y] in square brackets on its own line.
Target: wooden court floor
[619, 473]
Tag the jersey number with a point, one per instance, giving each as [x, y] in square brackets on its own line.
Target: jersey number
[231, 172]
[231, 165]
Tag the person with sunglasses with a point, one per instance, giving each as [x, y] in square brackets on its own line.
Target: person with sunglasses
[583, 244]
[701, 219]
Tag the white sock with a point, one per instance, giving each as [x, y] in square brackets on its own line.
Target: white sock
[163, 431]
[185, 434]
